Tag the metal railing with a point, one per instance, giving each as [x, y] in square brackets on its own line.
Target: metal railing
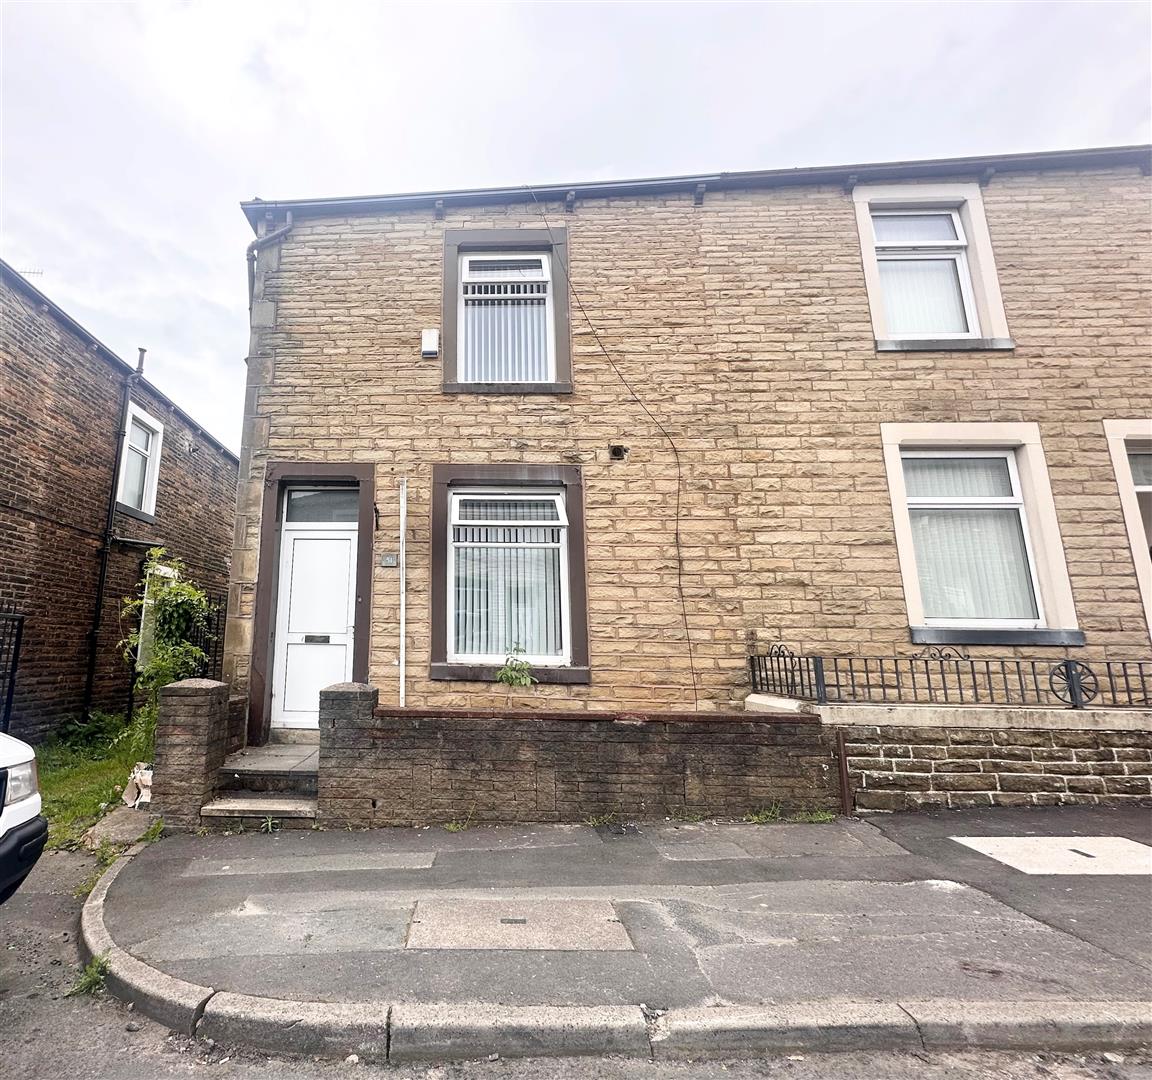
[11, 634]
[944, 676]
[211, 638]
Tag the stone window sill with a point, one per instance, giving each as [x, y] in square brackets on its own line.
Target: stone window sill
[487, 673]
[959, 635]
[945, 345]
[507, 388]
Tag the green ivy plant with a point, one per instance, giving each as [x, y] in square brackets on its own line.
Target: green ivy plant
[170, 611]
[516, 672]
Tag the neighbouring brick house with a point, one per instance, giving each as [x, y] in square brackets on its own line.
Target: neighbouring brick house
[642, 431]
[80, 429]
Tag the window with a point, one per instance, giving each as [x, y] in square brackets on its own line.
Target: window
[505, 317]
[508, 577]
[924, 274]
[970, 536]
[505, 325]
[508, 571]
[147, 638]
[929, 267]
[140, 462]
[1130, 445]
[977, 536]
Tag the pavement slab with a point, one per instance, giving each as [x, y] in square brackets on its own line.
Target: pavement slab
[579, 917]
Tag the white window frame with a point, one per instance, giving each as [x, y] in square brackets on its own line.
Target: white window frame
[466, 278]
[1054, 600]
[146, 638]
[966, 202]
[1014, 501]
[152, 469]
[1123, 437]
[557, 496]
[955, 251]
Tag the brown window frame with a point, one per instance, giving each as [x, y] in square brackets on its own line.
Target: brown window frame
[568, 477]
[555, 242]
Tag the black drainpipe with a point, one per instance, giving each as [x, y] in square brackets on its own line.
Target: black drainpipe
[106, 544]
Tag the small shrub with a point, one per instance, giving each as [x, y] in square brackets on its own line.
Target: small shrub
[169, 614]
[270, 824]
[516, 672]
[91, 978]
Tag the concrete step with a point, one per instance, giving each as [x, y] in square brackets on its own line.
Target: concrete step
[252, 810]
[288, 769]
[231, 781]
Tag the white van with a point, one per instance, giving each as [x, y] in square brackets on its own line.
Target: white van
[23, 830]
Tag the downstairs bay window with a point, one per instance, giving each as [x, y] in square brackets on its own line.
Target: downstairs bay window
[508, 572]
[976, 532]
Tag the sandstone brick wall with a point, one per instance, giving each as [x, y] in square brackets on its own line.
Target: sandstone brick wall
[911, 768]
[386, 767]
[744, 324]
[59, 419]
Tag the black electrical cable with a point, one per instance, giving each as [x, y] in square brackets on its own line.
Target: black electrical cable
[663, 431]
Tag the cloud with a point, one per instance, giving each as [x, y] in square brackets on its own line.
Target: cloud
[130, 132]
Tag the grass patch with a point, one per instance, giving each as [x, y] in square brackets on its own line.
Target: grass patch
[594, 821]
[457, 825]
[77, 785]
[91, 977]
[766, 815]
[153, 832]
[813, 817]
[83, 771]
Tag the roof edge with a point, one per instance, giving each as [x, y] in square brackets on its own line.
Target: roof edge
[1094, 157]
[13, 275]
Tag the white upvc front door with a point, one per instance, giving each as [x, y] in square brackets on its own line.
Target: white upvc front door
[315, 613]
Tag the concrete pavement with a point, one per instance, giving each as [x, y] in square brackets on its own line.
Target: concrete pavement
[671, 938]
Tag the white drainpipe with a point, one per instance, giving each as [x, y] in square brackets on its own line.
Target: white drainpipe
[403, 585]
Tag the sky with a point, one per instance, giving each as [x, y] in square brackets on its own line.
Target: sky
[129, 133]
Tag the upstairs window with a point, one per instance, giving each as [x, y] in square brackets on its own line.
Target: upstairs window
[506, 326]
[140, 461]
[504, 320]
[929, 268]
[970, 537]
[508, 577]
[924, 276]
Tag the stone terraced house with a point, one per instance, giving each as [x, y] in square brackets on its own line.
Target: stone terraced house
[862, 437]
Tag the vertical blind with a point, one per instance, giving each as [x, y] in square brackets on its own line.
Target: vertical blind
[972, 559]
[504, 324]
[972, 564]
[922, 297]
[508, 587]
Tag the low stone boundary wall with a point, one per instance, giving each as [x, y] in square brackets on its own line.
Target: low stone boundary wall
[415, 767]
[191, 741]
[909, 768]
